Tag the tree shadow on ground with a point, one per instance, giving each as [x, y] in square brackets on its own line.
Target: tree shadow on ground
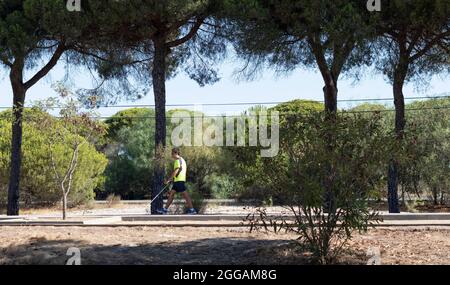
[218, 251]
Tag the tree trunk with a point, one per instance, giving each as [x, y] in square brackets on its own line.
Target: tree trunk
[434, 192]
[64, 206]
[159, 90]
[330, 98]
[400, 122]
[19, 92]
[392, 187]
[330, 92]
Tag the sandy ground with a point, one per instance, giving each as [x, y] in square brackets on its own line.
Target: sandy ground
[49, 245]
[420, 246]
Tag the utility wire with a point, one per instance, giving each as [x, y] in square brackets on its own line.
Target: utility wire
[251, 103]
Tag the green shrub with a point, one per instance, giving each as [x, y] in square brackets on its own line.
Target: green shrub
[247, 165]
[222, 186]
[37, 178]
[311, 165]
[129, 148]
[425, 156]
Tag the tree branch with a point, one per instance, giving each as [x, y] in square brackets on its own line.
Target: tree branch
[188, 36]
[5, 61]
[72, 168]
[52, 157]
[96, 56]
[46, 69]
[319, 54]
[340, 57]
[435, 41]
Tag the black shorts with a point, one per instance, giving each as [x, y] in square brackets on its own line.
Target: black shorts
[179, 186]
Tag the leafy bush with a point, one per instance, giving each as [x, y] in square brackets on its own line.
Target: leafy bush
[349, 162]
[425, 155]
[222, 186]
[37, 178]
[248, 166]
[129, 148]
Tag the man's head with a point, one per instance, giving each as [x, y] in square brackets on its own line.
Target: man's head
[176, 152]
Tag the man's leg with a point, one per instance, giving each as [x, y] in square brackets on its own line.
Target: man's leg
[188, 200]
[170, 198]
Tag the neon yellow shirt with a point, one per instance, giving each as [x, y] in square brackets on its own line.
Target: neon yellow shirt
[180, 163]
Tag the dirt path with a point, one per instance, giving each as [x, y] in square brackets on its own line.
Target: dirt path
[48, 245]
[407, 246]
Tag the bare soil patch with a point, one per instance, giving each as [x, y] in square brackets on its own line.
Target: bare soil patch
[142, 245]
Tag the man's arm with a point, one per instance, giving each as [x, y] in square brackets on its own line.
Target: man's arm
[172, 176]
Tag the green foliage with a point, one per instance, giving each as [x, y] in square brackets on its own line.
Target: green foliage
[284, 35]
[414, 37]
[130, 150]
[425, 153]
[222, 186]
[128, 118]
[125, 58]
[369, 107]
[203, 164]
[34, 34]
[130, 147]
[295, 109]
[248, 165]
[37, 178]
[358, 150]
[29, 29]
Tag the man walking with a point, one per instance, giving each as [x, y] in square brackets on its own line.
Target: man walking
[178, 177]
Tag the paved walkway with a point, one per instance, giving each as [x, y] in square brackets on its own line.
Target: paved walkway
[237, 220]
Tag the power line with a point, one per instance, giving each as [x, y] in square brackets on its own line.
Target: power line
[271, 103]
[252, 103]
[281, 114]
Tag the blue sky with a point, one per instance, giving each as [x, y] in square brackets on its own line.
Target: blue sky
[300, 84]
